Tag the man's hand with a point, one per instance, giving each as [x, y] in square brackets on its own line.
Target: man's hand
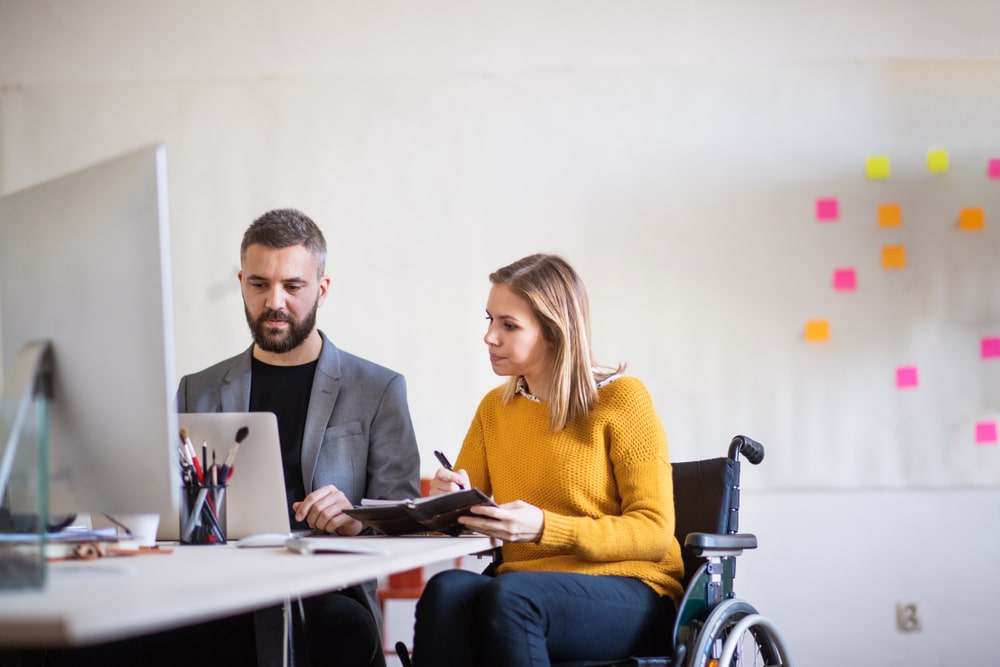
[323, 509]
[516, 521]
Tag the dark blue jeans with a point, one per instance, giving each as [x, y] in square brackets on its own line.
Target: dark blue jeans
[530, 619]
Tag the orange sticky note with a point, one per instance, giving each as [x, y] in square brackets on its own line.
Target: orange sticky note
[877, 168]
[893, 257]
[890, 215]
[817, 331]
[937, 161]
[971, 218]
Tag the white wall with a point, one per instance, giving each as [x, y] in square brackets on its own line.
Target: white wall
[672, 151]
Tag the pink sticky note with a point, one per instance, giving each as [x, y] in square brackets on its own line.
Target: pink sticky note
[845, 280]
[990, 348]
[993, 168]
[827, 209]
[906, 376]
[986, 433]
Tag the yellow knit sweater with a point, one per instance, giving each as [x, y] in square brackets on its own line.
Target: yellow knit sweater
[604, 483]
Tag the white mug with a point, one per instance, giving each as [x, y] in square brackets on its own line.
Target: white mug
[142, 526]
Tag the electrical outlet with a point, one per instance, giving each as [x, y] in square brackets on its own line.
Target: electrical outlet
[907, 619]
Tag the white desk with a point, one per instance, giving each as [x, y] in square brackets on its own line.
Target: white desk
[114, 598]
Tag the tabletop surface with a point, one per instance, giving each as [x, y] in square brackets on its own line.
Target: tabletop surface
[121, 596]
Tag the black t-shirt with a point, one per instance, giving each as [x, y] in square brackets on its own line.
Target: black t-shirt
[284, 390]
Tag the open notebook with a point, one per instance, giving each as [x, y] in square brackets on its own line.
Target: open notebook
[255, 500]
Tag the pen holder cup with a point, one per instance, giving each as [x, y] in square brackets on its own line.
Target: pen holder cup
[203, 514]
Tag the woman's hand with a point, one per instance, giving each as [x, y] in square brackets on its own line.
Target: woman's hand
[445, 481]
[517, 521]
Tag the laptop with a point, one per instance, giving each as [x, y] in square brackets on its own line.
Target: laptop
[255, 499]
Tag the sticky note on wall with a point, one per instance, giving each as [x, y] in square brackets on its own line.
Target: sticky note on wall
[817, 331]
[986, 433]
[827, 209]
[906, 377]
[990, 347]
[877, 168]
[971, 219]
[937, 161]
[993, 169]
[893, 257]
[845, 280]
[890, 215]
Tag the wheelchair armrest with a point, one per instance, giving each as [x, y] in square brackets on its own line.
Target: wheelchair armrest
[710, 544]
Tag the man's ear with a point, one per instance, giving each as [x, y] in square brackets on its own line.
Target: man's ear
[324, 288]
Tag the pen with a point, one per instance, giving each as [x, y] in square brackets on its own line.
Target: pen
[446, 464]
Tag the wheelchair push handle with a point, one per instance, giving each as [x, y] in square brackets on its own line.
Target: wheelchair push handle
[752, 450]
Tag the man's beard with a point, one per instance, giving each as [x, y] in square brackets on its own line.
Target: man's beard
[274, 340]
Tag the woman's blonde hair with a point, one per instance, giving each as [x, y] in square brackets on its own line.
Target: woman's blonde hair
[558, 299]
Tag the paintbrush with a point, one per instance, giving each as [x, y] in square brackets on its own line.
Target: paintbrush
[227, 465]
[186, 439]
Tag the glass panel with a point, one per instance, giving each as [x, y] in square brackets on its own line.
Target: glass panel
[24, 508]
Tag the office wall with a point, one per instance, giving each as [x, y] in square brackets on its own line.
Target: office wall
[674, 152]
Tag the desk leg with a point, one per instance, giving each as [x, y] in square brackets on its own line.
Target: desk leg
[288, 635]
[270, 633]
[274, 629]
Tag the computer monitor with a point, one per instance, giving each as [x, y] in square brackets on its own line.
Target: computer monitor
[85, 264]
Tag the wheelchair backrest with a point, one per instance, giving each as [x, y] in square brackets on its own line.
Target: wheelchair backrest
[706, 500]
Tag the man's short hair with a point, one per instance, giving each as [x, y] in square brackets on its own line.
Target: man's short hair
[284, 228]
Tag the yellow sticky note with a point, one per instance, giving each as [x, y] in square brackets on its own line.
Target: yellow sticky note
[877, 168]
[937, 161]
[890, 215]
[893, 257]
[817, 331]
[971, 218]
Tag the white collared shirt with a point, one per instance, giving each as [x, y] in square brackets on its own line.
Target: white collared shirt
[522, 386]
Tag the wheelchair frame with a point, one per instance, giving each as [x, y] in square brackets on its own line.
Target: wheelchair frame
[712, 624]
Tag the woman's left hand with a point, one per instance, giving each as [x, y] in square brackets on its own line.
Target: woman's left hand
[516, 521]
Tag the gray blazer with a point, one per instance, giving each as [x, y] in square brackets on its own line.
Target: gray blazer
[358, 433]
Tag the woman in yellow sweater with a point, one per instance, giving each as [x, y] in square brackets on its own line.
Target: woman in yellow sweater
[576, 458]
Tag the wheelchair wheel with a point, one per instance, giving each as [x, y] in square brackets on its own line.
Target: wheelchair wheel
[756, 645]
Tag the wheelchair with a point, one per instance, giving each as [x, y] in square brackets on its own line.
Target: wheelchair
[713, 627]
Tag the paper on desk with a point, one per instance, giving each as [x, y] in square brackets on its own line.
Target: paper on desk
[333, 545]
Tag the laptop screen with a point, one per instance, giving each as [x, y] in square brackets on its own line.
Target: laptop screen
[255, 499]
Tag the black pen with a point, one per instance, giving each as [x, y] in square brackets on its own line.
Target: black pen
[446, 464]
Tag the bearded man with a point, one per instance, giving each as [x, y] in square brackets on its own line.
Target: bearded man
[344, 423]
